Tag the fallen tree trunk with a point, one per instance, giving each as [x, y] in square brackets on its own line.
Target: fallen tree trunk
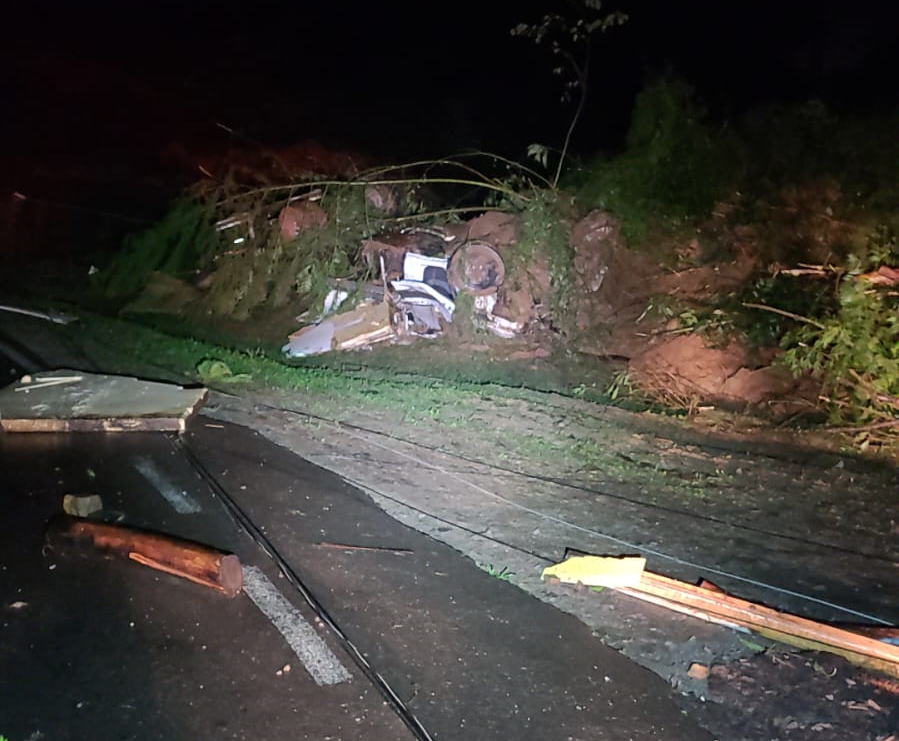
[197, 562]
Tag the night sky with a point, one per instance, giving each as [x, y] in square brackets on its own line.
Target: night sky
[110, 86]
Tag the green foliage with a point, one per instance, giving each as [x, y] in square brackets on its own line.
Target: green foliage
[502, 574]
[212, 372]
[854, 352]
[675, 165]
[882, 248]
[780, 144]
[620, 386]
[782, 291]
[268, 271]
[544, 243]
[273, 272]
[180, 244]
[568, 35]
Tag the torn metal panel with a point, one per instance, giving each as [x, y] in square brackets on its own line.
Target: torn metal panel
[311, 340]
[420, 293]
[413, 291]
[432, 271]
[422, 319]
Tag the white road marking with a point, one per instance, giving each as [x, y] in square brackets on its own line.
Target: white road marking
[181, 501]
[321, 663]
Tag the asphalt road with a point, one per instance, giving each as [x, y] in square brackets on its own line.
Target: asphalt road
[100, 648]
[351, 626]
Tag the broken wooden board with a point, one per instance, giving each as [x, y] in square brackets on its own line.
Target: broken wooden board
[716, 606]
[364, 325]
[74, 401]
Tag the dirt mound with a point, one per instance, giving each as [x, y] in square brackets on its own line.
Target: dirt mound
[668, 307]
[608, 278]
[682, 348]
[684, 371]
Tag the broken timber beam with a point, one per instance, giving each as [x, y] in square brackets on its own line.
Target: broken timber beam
[626, 574]
[720, 607]
[185, 558]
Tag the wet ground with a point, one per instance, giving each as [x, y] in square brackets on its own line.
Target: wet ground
[426, 644]
[764, 515]
[801, 529]
[97, 647]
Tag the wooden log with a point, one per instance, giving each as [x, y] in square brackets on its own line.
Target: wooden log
[197, 562]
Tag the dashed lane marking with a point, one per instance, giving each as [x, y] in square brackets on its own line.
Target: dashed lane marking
[180, 500]
[321, 663]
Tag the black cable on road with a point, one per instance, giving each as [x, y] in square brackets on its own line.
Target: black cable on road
[711, 519]
[244, 520]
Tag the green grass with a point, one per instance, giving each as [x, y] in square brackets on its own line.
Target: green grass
[124, 347]
[440, 408]
[502, 574]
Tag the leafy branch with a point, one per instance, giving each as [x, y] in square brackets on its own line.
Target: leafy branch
[569, 39]
[393, 175]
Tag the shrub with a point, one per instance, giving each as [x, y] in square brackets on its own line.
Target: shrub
[182, 242]
[675, 165]
[854, 353]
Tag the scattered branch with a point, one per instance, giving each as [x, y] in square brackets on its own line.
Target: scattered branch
[788, 314]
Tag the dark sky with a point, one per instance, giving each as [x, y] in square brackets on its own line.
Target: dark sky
[86, 79]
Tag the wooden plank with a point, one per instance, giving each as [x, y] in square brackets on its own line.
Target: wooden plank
[859, 659]
[139, 424]
[63, 401]
[723, 608]
[197, 562]
[708, 602]
[365, 325]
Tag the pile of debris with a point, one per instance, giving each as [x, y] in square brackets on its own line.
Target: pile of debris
[421, 274]
[669, 314]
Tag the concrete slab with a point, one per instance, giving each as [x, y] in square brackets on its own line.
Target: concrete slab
[73, 401]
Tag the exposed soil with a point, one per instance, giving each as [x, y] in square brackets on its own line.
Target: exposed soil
[626, 309]
[789, 696]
